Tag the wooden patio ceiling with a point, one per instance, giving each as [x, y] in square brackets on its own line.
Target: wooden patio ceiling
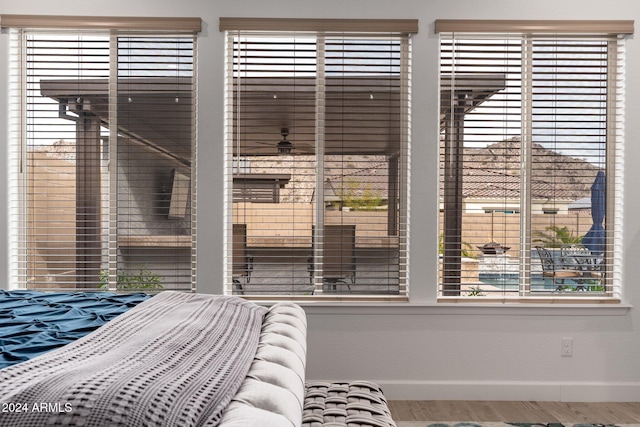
[360, 115]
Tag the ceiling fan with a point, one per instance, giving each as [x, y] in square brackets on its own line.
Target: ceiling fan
[285, 146]
[264, 148]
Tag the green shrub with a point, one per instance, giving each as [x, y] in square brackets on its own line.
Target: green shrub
[143, 280]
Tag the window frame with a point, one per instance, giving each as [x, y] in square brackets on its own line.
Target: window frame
[112, 30]
[563, 29]
[238, 26]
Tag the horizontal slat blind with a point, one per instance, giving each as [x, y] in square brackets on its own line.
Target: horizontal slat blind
[474, 71]
[365, 121]
[63, 170]
[155, 151]
[322, 121]
[101, 158]
[528, 128]
[272, 86]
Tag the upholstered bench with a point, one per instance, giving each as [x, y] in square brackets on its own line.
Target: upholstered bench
[352, 404]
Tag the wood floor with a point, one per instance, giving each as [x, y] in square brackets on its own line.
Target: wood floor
[547, 412]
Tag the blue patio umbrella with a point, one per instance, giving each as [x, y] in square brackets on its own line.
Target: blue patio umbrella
[594, 239]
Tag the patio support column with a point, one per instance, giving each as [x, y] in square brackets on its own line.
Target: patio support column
[453, 175]
[88, 244]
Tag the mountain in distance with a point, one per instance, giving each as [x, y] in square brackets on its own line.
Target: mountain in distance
[565, 176]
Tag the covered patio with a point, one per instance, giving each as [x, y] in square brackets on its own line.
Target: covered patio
[148, 136]
[343, 155]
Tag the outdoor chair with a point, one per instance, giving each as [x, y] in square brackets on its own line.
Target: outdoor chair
[558, 270]
[242, 261]
[339, 256]
[581, 258]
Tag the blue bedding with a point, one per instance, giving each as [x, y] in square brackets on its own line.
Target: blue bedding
[32, 323]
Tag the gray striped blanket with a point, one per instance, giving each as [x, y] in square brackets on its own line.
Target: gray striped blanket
[176, 359]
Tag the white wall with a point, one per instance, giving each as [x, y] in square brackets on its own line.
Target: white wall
[421, 351]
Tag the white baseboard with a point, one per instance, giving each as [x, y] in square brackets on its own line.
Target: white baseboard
[512, 390]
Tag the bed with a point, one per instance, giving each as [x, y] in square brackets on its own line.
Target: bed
[170, 359]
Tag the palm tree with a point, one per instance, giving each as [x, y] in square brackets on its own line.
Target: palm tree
[558, 237]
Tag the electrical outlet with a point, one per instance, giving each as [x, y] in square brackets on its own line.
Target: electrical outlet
[566, 348]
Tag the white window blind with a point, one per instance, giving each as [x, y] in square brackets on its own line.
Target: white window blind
[321, 120]
[530, 165]
[102, 160]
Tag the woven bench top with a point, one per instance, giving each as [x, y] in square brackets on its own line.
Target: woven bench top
[353, 404]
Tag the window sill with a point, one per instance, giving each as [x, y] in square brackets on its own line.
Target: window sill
[379, 305]
[493, 309]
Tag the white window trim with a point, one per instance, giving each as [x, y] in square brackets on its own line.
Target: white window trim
[231, 25]
[613, 214]
[94, 25]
